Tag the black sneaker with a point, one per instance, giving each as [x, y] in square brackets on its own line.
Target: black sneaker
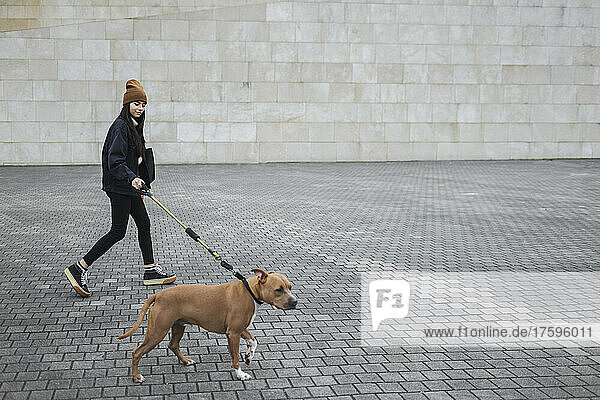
[77, 276]
[156, 276]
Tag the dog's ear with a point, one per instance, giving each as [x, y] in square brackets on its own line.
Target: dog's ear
[262, 275]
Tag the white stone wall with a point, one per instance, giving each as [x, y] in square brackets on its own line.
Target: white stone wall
[29, 14]
[314, 81]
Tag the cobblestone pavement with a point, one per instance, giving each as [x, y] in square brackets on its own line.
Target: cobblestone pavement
[323, 225]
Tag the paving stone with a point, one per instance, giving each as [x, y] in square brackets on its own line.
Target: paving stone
[437, 385]
[363, 397]
[17, 395]
[297, 393]
[411, 396]
[225, 395]
[441, 395]
[113, 392]
[320, 391]
[459, 384]
[578, 391]
[532, 393]
[483, 384]
[35, 394]
[509, 394]
[413, 386]
[244, 394]
[485, 394]
[594, 389]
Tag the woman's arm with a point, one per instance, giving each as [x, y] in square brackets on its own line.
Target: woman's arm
[117, 155]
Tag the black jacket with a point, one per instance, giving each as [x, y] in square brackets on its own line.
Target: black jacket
[119, 159]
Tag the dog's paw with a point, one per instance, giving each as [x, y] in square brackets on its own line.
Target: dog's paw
[241, 375]
[248, 358]
[139, 378]
[190, 362]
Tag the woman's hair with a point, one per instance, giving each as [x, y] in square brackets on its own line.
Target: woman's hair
[138, 131]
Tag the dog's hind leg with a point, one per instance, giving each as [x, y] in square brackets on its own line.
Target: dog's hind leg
[252, 344]
[157, 330]
[176, 335]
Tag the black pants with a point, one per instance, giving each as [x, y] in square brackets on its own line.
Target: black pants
[121, 207]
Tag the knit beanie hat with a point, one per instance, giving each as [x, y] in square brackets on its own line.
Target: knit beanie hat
[134, 92]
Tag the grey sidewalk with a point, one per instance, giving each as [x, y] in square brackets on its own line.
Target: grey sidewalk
[322, 225]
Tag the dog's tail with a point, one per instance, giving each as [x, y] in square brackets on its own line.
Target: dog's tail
[137, 324]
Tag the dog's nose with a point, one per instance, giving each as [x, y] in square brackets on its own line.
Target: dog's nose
[292, 302]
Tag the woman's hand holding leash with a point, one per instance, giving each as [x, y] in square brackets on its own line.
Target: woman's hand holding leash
[137, 183]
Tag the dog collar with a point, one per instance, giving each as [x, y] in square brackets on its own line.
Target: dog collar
[245, 282]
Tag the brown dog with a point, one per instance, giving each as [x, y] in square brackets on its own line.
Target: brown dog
[228, 308]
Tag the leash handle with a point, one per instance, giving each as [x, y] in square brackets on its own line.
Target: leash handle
[145, 190]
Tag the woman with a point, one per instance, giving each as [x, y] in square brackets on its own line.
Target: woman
[123, 159]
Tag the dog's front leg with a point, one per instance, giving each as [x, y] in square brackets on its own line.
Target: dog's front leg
[252, 344]
[177, 331]
[233, 342]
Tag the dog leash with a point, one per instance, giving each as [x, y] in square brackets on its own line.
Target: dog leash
[146, 192]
